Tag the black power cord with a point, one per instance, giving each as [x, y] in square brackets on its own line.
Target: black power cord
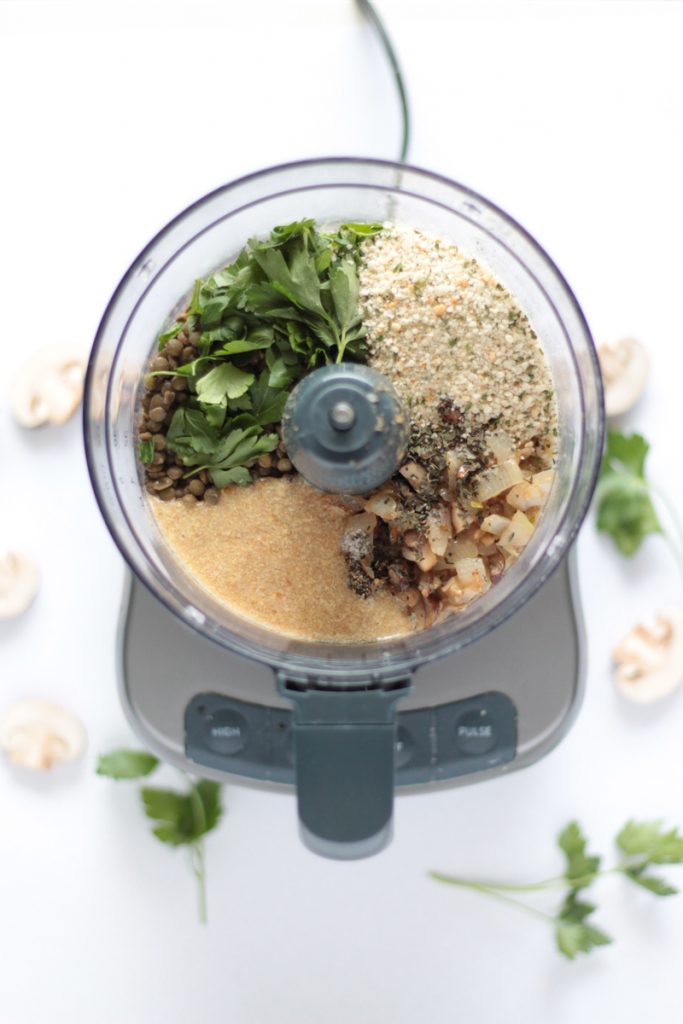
[368, 9]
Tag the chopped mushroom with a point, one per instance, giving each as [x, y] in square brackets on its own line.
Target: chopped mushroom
[49, 386]
[649, 660]
[625, 369]
[19, 581]
[38, 734]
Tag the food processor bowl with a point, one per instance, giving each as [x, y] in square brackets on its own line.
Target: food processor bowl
[344, 694]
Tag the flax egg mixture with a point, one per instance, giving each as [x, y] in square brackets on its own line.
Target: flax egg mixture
[470, 372]
[293, 578]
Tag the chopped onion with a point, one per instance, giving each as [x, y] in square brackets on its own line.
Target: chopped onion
[495, 524]
[501, 446]
[458, 518]
[432, 609]
[493, 481]
[461, 547]
[438, 530]
[486, 543]
[470, 581]
[427, 559]
[471, 572]
[517, 535]
[365, 521]
[531, 493]
[454, 593]
[453, 463]
[415, 474]
[382, 505]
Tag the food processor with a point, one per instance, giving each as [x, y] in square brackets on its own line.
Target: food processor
[485, 691]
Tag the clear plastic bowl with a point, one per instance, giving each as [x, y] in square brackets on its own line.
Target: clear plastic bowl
[206, 236]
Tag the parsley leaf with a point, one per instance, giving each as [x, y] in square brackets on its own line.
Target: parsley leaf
[360, 230]
[210, 795]
[281, 374]
[651, 841]
[581, 868]
[653, 883]
[179, 818]
[574, 937]
[267, 402]
[170, 333]
[146, 452]
[573, 933]
[287, 304]
[239, 475]
[173, 811]
[641, 843]
[126, 764]
[224, 381]
[644, 843]
[625, 509]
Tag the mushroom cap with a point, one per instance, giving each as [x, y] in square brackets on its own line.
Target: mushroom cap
[19, 582]
[625, 369]
[49, 386]
[37, 734]
[649, 660]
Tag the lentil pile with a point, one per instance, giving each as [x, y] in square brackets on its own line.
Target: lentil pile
[166, 475]
[460, 353]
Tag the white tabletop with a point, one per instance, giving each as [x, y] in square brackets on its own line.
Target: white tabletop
[117, 115]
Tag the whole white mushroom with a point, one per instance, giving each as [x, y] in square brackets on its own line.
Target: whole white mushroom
[648, 663]
[625, 369]
[19, 581]
[49, 386]
[38, 734]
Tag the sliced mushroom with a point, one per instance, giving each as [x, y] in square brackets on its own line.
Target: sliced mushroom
[649, 660]
[49, 386]
[37, 734]
[625, 369]
[19, 581]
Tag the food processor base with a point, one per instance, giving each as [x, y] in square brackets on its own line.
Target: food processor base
[499, 704]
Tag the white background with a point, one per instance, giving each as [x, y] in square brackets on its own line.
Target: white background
[114, 117]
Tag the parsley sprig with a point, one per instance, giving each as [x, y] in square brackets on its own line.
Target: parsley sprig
[181, 818]
[624, 498]
[286, 305]
[641, 845]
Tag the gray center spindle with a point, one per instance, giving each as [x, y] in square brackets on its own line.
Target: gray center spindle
[345, 429]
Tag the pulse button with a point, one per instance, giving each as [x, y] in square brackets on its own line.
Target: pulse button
[475, 732]
[226, 731]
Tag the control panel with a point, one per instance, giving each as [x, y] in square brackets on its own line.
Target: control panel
[433, 743]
